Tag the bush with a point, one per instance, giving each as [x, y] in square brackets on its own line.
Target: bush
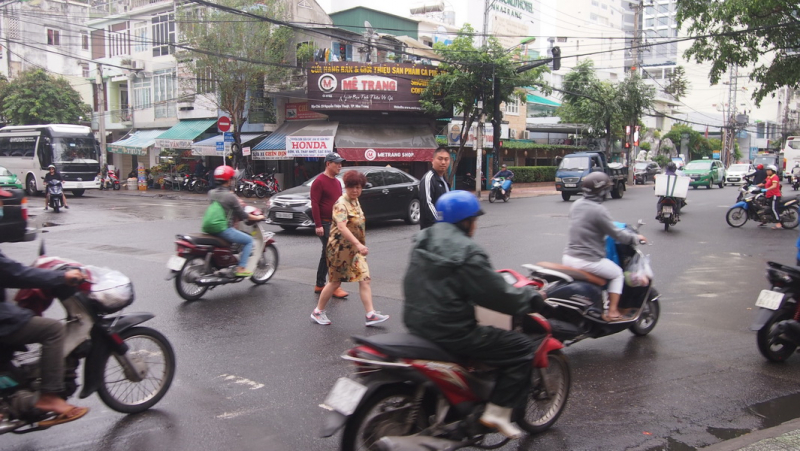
[530, 174]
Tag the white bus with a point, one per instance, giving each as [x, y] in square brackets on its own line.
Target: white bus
[27, 150]
[791, 153]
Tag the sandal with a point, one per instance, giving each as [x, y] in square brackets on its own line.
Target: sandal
[72, 415]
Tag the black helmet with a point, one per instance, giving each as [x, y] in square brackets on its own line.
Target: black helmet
[671, 166]
[596, 183]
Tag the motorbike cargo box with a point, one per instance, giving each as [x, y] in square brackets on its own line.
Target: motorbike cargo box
[672, 185]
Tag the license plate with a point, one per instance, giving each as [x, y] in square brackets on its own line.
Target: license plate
[344, 396]
[570, 185]
[769, 300]
[666, 209]
[281, 215]
[175, 263]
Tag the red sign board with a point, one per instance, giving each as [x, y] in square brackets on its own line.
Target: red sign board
[301, 111]
[224, 124]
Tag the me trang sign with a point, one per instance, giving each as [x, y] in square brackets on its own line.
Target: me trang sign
[367, 87]
[308, 146]
[386, 154]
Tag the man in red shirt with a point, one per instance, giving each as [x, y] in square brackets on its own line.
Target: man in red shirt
[773, 186]
[325, 191]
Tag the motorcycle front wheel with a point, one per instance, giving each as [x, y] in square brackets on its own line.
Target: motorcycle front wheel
[775, 350]
[546, 401]
[648, 319]
[492, 196]
[267, 265]
[261, 192]
[736, 217]
[184, 281]
[789, 218]
[384, 414]
[154, 360]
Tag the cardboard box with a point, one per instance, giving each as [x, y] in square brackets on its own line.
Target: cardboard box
[672, 185]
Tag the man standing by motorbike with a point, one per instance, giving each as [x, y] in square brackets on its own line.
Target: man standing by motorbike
[52, 174]
[432, 186]
[589, 223]
[507, 174]
[233, 211]
[19, 326]
[447, 276]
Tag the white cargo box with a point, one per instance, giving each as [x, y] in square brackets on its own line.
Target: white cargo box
[672, 185]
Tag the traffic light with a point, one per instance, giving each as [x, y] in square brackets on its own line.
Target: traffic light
[556, 58]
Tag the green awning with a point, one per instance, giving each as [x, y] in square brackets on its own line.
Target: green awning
[533, 98]
[183, 134]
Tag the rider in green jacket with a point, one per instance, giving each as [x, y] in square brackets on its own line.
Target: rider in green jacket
[448, 275]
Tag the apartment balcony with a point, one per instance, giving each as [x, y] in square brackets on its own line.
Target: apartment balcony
[143, 3]
[123, 116]
[108, 8]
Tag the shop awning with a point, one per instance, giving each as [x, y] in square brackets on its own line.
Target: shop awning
[183, 134]
[385, 142]
[214, 147]
[297, 139]
[136, 144]
[538, 100]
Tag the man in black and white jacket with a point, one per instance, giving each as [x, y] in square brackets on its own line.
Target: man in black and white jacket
[432, 186]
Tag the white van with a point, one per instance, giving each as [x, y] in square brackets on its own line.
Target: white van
[791, 152]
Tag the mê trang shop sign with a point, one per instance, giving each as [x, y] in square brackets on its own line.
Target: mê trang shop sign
[308, 146]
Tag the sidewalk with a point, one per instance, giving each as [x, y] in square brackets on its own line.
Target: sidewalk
[784, 437]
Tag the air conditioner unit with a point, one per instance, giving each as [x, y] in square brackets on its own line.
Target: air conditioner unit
[512, 134]
[526, 135]
[137, 64]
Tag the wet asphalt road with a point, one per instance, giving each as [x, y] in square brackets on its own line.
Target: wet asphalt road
[252, 369]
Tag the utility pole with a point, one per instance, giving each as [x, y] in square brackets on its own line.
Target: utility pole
[638, 8]
[101, 113]
[730, 131]
[479, 153]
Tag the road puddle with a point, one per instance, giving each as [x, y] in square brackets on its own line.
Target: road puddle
[727, 433]
[778, 410]
[672, 445]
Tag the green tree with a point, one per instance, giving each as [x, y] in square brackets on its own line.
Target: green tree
[36, 97]
[677, 83]
[232, 59]
[698, 146]
[763, 33]
[466, 76]
[633, 98]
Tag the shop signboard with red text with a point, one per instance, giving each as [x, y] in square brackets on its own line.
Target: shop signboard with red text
[348, 86]
[308, 146]
[301, 111]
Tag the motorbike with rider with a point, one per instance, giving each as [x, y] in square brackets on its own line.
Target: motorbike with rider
[53, 176]
[501, 184]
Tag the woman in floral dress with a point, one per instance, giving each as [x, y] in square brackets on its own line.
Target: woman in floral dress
[347, 251]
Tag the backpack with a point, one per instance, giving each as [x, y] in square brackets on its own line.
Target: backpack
[214, 220]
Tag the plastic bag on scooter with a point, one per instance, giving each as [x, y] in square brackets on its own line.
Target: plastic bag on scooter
[639, 273]
[111, 290]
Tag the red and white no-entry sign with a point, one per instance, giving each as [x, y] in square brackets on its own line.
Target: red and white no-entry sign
[224, 124]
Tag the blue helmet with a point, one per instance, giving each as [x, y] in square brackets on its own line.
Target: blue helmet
[456, 206]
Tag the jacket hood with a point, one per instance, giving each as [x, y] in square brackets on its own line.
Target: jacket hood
[442, 244]
[597, 198]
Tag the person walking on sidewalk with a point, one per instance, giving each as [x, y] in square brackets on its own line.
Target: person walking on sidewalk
[432, 186]
[347, 251]
[325, 191]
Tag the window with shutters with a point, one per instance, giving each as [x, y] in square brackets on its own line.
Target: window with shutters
[142, 93]
[163, 27]
[164, 93]
[53, 37]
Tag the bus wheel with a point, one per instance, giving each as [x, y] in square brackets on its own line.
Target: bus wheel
[30, 186]
[78, 192]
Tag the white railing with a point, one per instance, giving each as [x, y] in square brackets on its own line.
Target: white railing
[142, 3]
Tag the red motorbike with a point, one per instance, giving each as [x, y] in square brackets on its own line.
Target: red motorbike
[206, 261]
[408, 393]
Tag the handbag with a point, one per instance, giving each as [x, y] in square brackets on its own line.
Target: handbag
[214, 220]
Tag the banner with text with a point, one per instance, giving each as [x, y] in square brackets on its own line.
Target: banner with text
[308, 146]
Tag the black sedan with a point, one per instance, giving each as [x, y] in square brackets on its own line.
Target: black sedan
[389, 194]
[14, 222]
[644, 170]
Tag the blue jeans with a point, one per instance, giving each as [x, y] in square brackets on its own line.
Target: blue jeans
[237, 236]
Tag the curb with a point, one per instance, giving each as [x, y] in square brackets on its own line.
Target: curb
[763, 435]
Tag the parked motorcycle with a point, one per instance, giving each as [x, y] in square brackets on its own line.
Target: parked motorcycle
[576, 299]
[55, 193]
[111, 181]
[469, 181]
[199, 185]
[778, 313]
[501, 189]
[269, 182]
[130, 367]
[206, 261]
[408, 393]
[754, 205]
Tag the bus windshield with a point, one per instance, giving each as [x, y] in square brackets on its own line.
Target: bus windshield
[74, 150]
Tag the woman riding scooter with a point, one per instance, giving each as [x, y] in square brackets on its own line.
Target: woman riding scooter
[52, 174]
[589, 223]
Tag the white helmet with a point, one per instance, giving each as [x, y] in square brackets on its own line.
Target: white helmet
[772, 168]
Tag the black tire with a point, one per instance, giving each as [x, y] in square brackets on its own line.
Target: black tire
[267, 265]
[789, 218]
[506, 196]
[775, 350]
[647, 321]
[694, 187]
[56, 207]
[248, 193]
[709, 184]
[542, 409]
[618, 191]
[145, 346]
[392, 404]
[288, 228]
[565, 196]
[666, 226]
[186, 288]
[413, 212]
[78, 192]
[261, 192]
[117, 186]
[30, 186]
[492, 196]
[721, 184]
[736, 217]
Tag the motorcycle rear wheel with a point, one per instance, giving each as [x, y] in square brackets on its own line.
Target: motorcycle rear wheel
[775, 350]
[789, 218]
[150, 349]
[492, 196]
[261, 192]
[545, 406]
[267, 265]
[736, 217]
[187, 289]
[383, 414]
